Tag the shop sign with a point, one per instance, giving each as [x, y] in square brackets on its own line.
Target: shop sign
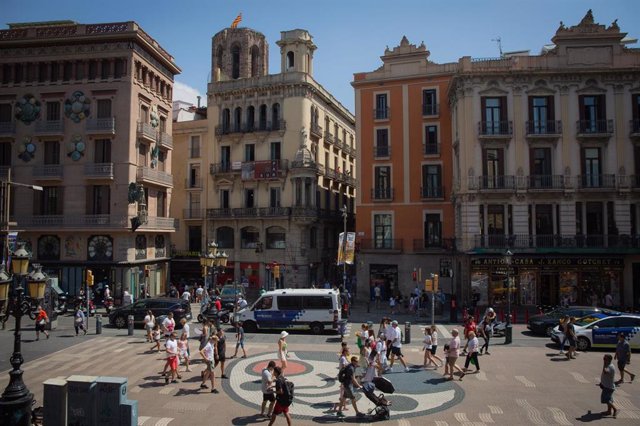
[549, 261]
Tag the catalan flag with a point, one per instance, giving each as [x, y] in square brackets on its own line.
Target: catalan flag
[236, 21]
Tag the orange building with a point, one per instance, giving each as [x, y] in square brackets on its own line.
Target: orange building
[405, 215]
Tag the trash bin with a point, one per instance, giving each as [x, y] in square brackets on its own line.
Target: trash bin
[98, 324]
[407, 333]
[130, 323]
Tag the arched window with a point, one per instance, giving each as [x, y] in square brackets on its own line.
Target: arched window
[235, 62]
[224, 237]
[249, 237]
[255, 58]
[226, 120]
[219, 55]
[237, 119]
[276, 238]
[251, 118]
[290, 62]
[275, 117]
[263, 117]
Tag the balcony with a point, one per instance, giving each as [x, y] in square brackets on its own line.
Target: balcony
[542, 129]
[101, 126]
[431, 148]
[49, 127]
[432, 192]
[48, 172]
[274, 211]
[331, 174]
[225, 168]
[492, 183]
[558, 243]
[166, 140]
[316, 130]
[219, 213]
[434, 243]
[161, 223]
[193, 183]
[305, 212]
[495, 129]
[430, 109]
[264, 170]
[192, 213]
[381, 113]
[240, 128]
[634, 131]
[587, 129]
[153, 176]
[90, 221]
[385, 245]
[147, 131]
[381, 151]
[245, 212]
[545, 182]
[596, 181]
[382, 194]
[98, 170]
[7, 128]
[328, 137]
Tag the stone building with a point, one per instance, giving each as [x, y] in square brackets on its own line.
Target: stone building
[85, 112]
[546, 165]
[274, 166]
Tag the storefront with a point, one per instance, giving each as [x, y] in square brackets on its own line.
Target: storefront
[548, 280]
[385, 276]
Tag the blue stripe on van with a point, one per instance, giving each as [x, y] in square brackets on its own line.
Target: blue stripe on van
[279, 318]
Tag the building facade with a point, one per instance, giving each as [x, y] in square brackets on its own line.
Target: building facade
[85, 112]
[405, 216]
[276, 165]
[546, 162]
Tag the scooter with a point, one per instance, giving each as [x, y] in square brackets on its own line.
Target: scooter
[210, 313]
[108, 304]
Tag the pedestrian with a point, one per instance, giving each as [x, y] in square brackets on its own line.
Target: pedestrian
[282, 397]
[186, 331]
[186, 295]
[377, 294]
[149, 323]
[389, 334]
[453, 353]
[222, 349]
[209, 353]
[472, 356]
[41, 321]
[434, 345]
[78, 321]
[155, 335]
[361, 336]
[168, 325]
[623, 356]
[486, 331]
[564, 321]
[469, 326]
[283, 353]
[392, 305]
[183, 351]
[396, 347]
[205, 333]
[381, 353]
[199, 293]
[348, 381]
[608, 386]
[571, 338]
[343, 362]
[268, 389]
[240, 340]
[608, 300]
[171, 346]
[427, 343]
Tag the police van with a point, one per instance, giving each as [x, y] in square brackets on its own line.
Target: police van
[293, 309]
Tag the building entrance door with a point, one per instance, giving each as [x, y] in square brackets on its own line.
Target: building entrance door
[549, 290]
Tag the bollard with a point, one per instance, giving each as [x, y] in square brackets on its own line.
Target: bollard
[407, 333]
[130, 323]
[98, 324]
[508, 334]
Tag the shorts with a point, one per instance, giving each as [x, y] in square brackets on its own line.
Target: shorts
[209, 366]
[268, 397]
[240, 344]
[622, 363]
[348, 392]
[173, 362]
[606, 397]
[39, 327]
[433, 349]
[148, 327]
[280, 408]
[452, 361]
[572, 342]
[396, 351]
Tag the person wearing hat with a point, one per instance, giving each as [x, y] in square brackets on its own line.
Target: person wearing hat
[283, 354]
[396, 347]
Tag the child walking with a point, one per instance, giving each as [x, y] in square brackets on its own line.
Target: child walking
[155, 335]
[183, 351]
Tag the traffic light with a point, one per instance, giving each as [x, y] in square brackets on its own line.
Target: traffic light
[89, 278]
[414, 275]
[276, 271]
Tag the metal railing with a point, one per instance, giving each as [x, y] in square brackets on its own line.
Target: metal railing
[495, 128]
[274, 211]
[596, 181]
[328, 137]
[594, 127]
[49, 127]
[155, 222]
[431, 148]
[382, 194]
[221, 212]
[147, 130]
[260, 126]
[430, 109]
[101, 125]
[218, 168]
[166, 140]
[7, 127]
[434, 242]
[381, 151]
[245, 212]
[543, 127]
[99, 170]
[74, 221]
[633, 124]
[316, 130]
[193, 183]
[154, 176]
[48, 171]
[192, 213]
[496, 182]
[383, 244]
[428, 192]
[543, 182]
[381, 113]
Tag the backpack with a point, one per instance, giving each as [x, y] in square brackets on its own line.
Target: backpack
[287, 392]
[343, 376]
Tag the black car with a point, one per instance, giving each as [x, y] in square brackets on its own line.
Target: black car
[159, 306]
[544, 324]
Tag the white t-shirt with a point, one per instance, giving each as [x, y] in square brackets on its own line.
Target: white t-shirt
[427, 341]
[376, 291]
[370, 373]
[266, 381]
[392, 302]
[168, 325]
[454, 347]
[199, 291]
[186, 330]
[397, 337]
[148, 321]
[381, 348]
[172, 347]
[343, 362]
[208, 351]
[186, 295]
[472, 346]
[389, 333]
[434, 338]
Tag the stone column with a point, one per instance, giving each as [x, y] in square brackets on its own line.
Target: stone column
[54, 402]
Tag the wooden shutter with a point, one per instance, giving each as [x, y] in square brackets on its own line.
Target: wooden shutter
[602, 107]
[582, 162]
[551, 109]
[503, 111]
[60, 200]
[484, 161]
[532, 164]
[530, 112]
[635, 106]
[37, 201]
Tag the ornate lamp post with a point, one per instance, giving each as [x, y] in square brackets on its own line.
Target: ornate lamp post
[208, 259]
[16, 401]
[508, 331]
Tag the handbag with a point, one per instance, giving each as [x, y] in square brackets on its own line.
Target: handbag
[42, 321]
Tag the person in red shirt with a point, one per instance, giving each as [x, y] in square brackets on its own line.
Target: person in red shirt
[218, 304]
[469, 326]
[41, 320]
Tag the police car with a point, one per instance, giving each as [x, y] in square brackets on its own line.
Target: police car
[602, 333]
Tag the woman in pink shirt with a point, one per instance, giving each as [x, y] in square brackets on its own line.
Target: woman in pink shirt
[454, 352]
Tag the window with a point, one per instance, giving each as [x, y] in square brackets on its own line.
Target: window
[104, 108]
[540, 163]
[120, 68]
[313, 238]
[237, 119]
[255, 65]
[591, 168]
[5, 113]
[194, 205]
[431, 139]
[235, 61]
[382, 231]
[382, 183]
[317, 302]
[432, 230]
[635, 111]
[249, 198]
[161, 204]
[275, 116]
[290, 62]
[289, 303]
[98, 199]
[144, 114]
[275, 151]
[494, 114]
[274, 197]
[53, 111]
[382, 148]
[251, 118]
[224, 237]
[382, 110]
[225, 158]
[103, 151]
[249, 237]
[493, 168]
[541, 115]
[249, 152]
[595, 223]
[224, 199]
[194, 238]
[429, 102]
[544, 225]
[51, 152]
[592, 114]
[67, 70]
[226, 121]
[276, 238]
[143, 150]
[49, 201]
[5, 153]
[194, 147]
[432, 181]
[496, 223]
[262, 119]
[194, 176]
[43, 71]
[93, 70]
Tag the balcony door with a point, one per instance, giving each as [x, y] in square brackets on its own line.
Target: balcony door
[225, 158]
[544, 225]
[382, 231]
[496, 224]
[382, 182]
[494, 115]
[592, 114]
[541, 116]
[591, 168]
[493, 165]
[595, 224]
[431, 181]
[540, 164]
[432, 230]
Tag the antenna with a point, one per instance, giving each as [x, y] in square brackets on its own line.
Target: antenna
[499, 41]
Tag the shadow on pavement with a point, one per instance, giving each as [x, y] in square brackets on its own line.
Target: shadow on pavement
[590, 417]
[248, 420]
[186, 391]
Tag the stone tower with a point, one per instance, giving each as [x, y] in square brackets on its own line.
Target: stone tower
[296, 51]
[238, 53]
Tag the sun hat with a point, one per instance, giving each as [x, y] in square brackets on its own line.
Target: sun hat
[283, 334]
[394, 322]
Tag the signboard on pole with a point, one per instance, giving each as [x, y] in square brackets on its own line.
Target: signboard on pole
[348, 248]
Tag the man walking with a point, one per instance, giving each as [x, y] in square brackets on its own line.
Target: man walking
[209, 354]
[608, 386]
[623, 356]
[348, 381]
[268, 391]
[282, 398]
[396, 347]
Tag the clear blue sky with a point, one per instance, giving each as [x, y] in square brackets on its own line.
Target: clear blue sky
[351, 35]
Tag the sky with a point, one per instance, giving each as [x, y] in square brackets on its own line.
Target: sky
[351, 35]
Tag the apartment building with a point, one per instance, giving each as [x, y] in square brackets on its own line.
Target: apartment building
[405, 215]
[85, 113]
[267, 174]
[546, 166]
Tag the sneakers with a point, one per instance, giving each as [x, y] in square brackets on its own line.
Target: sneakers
[633, 376]
[204, 386]
[339, 414]
[359, 414]
[214, 391]
[407, 369]
[463, 374]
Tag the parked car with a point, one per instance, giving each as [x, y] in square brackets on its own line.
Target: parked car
[603, 332]
[159, 306]
[545, 323]
[558, 335]
[228, 297]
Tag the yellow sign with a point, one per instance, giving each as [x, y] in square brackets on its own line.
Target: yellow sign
[428, 285]
[436, 279]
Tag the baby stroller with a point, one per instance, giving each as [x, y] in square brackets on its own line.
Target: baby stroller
[381, 410]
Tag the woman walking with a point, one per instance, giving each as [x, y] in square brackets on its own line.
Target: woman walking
[209, 353]
[283, 353]
[41, 321]
[149, 323]
[78, 321]
[434, 345]
[486, 332]
[427, 342]
[472, 356]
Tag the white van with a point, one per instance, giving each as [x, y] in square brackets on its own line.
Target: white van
[302, 309]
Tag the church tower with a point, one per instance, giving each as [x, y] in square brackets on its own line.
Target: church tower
[296, 51]
[239, 53]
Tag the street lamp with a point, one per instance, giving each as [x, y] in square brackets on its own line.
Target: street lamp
[344, 248]
[16, 400]
[208, 259]
[508, 330]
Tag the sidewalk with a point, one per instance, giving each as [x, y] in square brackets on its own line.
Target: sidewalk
[361, 313]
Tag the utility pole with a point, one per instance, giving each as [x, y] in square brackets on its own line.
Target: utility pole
[344, 248]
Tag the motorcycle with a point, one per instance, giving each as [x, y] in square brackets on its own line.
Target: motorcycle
[80, 300]
[108, 304]
[209, 312]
